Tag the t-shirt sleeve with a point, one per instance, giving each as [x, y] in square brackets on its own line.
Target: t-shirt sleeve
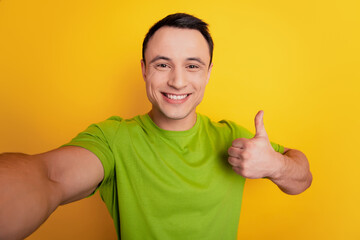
[241, 132]
[98, 139]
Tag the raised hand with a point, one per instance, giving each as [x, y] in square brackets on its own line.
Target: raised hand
[255, 157]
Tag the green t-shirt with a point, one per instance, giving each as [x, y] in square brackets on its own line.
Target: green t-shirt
[162, 184]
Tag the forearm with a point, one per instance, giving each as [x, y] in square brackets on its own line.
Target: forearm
[27, 196]
[293, 175]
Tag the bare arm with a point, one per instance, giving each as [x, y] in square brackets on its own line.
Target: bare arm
[33, 186]
[293, 175]
[255, 158]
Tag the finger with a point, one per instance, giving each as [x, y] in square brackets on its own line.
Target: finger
[259, 125]
[240, 143]
[235, 162]
[235, 152]
[238, 170]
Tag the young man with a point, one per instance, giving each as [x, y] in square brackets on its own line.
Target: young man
[168, 174]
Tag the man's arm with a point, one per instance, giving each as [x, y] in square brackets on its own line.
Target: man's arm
[255, 158]
[293, 175]
[33, 186]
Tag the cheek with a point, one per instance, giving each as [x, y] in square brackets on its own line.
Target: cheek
[199, 81]
[154, 82]
[150, 73]
[150, 89]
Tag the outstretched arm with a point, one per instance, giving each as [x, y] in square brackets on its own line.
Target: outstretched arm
[255, 158]
[33, 186]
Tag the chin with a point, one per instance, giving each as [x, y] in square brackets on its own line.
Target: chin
[176, 116]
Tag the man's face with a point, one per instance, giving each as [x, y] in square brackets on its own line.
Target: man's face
[176, 72]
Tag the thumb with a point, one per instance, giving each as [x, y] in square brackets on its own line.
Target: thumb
[259, 125]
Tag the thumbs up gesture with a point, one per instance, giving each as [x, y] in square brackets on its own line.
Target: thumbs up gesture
[255, 157]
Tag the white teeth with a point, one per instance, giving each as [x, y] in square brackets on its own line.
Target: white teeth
[176, 97]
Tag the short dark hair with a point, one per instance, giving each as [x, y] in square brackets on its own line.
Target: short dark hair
[181, 20]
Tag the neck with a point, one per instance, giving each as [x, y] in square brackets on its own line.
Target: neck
[170, 124]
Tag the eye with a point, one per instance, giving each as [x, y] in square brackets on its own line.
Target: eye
[161, 65]
[193, 67]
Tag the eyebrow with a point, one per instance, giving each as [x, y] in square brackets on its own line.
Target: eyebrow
[197, 60]
[160, 57]
[169, 59]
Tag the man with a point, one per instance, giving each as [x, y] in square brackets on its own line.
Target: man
[168, 174]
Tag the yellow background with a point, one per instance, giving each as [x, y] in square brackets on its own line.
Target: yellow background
[67, 64]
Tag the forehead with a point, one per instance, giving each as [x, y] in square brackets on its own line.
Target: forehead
[178, 43]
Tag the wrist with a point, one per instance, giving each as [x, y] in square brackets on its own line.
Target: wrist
[280, 161]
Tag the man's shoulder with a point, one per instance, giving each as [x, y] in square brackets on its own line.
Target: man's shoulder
[111, 124]
[116, 120]
[135, 123]
[223, 123]
[108, 123]
[226, 126]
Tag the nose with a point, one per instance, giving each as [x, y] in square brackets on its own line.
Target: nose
[177, 79]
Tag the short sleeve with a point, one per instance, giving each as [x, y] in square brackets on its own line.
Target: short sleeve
[98, 139]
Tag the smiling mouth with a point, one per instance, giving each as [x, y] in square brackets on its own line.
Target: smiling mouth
[175, 96]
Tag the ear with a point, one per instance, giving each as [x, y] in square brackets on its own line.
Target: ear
[143, 69]
[209, 72]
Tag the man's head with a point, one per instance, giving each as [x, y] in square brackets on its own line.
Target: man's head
[177, 70]
[183, 21]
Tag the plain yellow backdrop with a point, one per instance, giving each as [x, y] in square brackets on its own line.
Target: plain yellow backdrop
[67, 64]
